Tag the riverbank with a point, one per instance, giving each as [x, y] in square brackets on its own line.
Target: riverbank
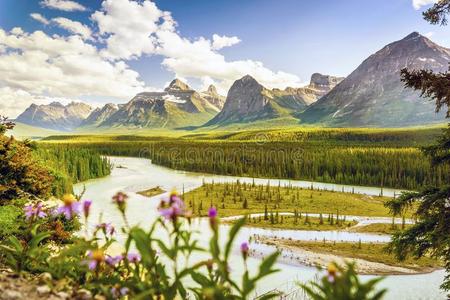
[370, 258]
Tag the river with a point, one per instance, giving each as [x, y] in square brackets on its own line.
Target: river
[136, 174]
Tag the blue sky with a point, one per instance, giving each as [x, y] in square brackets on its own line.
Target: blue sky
[281, 43]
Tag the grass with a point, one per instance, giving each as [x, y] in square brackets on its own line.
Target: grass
[23, 131]
[8, 220]
[370, 252]
[302, 222]
[231, 199]
[409, 136]
[152, 192]
[380, 228]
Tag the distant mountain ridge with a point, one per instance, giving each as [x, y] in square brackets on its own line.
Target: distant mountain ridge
[249, 101]
[55, 115]
[373, 94]
[177, 106]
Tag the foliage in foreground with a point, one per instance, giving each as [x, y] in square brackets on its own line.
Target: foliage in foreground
[431, 234]
[152, 267]
[158, 270]
[343, 283]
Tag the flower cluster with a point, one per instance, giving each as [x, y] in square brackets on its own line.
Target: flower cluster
[106, 228]
[173, 207]
[34, 211]
[70, 208]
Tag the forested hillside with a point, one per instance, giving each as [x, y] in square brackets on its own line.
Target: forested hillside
[70, 165]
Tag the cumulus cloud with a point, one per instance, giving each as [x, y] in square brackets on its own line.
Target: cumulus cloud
[39, 18]
[132, 29]
[128, 27]
[418, 4]
[14, 101]
[62, 67]
[65, 5]
[220, 42]
[73, 27]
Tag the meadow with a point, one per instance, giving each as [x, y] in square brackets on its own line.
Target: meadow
[233, 199]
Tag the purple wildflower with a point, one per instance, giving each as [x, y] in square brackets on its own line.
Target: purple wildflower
[118, 292]
[332, 272]
[70, 208]
[120, 199]
[113, 260]
[172, 208]
[96, 257]
[107, 228]
[244, 249]
[133, 258]
[34, 211]
[87, 207]
[212, 214]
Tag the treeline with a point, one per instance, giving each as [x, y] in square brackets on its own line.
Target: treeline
[370, 166]
[69, 165]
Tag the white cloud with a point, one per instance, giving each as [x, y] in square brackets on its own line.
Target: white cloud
[62, 67]
[40, 18]
[418, 4]
[65, 5]
[74, 27]
[197, 59]
[14, 101]
[220, 42]
[429, 34]
[133, 29]
[128, 27]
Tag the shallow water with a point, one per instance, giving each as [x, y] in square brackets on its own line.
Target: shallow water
[138, 174]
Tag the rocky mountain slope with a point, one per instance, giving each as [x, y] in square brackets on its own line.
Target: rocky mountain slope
[55, 115]
[213, 97]
[177, 106]
[373, 95]
[249, 101]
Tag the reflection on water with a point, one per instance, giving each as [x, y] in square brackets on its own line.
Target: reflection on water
[139, 174]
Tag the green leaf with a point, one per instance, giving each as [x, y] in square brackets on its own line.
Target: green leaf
[37, 239]
[266, 266]
[232, 235]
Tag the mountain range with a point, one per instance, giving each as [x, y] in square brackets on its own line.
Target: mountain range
[372, 95]
[177, 106]
[55, 115]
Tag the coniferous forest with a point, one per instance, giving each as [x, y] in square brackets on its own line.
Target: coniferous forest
[359, 165]
[69, 165]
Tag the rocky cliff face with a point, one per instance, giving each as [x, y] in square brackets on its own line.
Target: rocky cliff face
[246, 99]
[300, 98]
[373, 94]
[177, 106]
[213, 97]
[55, 115]
[99, 115]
